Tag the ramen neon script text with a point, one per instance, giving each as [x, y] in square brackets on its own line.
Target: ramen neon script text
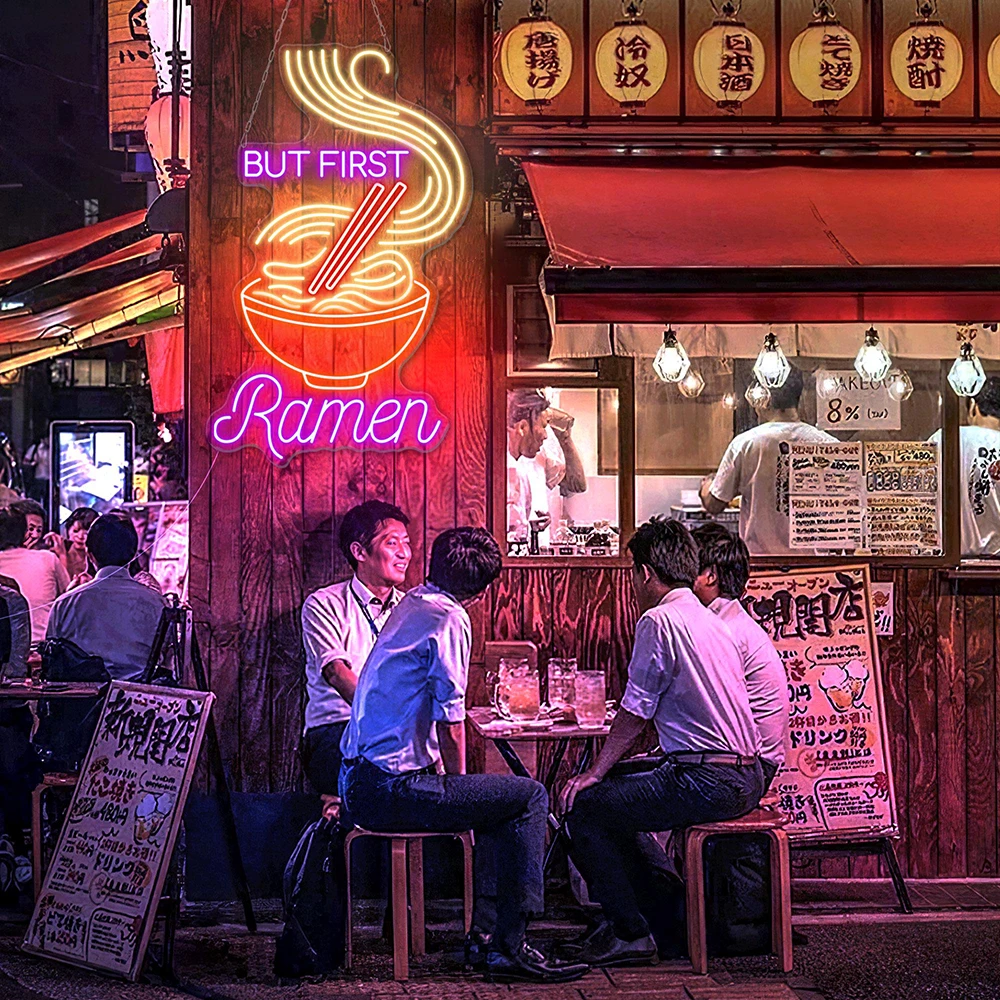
[260, 163]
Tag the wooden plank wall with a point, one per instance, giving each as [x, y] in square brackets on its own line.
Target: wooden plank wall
[263, 537]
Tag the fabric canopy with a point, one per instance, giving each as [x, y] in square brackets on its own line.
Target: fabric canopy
[721, 243]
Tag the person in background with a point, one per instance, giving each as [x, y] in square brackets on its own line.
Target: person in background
[113, 616]
[40, 576]
[980, 465]
[34, 518]
[340, 624]
[686, 675]
[755, 467]
[37, 458]
[415, 681]
[724, 569]
[76, 527]
[527, 429]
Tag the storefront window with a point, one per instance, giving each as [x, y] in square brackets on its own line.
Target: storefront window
[561, 496]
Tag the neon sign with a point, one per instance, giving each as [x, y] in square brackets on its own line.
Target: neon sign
[338, 296]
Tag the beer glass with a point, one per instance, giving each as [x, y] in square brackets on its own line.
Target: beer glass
[562, 682]
[516, 695]
[590, 704]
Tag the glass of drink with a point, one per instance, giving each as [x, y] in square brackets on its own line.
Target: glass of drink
[562, 682]
[516, 696]
[590, 705]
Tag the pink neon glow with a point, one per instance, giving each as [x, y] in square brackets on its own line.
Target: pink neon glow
[263, 163]
[260, 412]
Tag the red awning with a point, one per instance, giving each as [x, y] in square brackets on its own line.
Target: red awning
[775, 243]
[20, 260]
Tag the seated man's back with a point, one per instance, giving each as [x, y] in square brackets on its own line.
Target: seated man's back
[113, 616]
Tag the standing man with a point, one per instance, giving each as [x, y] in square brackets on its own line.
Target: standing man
[755, 467]
[340, 624]
[686, 676]
[414, 682]
[722, 580]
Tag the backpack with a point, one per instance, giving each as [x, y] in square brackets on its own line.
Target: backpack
[315, 898]
[66, 725]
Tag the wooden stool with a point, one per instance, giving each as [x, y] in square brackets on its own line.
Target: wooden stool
[763, 820]
[53, 779]
[408, 852]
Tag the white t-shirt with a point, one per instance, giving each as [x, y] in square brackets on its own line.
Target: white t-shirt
[755, 467]
[544, 473]
[335, 628]
[767, 684]
[41, 577]
[686, 674]
[980, 465]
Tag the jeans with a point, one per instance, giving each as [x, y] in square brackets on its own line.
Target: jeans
[608, 820]
[507, 814]
[321, 756]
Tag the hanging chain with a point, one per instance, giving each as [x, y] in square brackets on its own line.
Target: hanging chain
[538, 8]
[632, 8]
[927, 9]
[730, 8]
[825, 11]
[267, 71]
[381, 27]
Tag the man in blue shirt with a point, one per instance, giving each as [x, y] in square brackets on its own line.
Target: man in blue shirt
[412, 685]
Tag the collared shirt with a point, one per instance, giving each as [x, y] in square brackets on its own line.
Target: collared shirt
[686, 674]
[335, 626]
[41, 577]
[113, 617]
[767, 683]
[415, 676]
[755, 467]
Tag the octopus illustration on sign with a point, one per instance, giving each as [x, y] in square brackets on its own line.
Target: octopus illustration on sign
[337, 296]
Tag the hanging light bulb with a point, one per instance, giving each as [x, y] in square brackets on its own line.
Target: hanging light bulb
[873, 361]
[898, 384]
[671, 363]
[691, 385]
[826, 383]
[729, 400]
[967, 376]
[771, 366]
[758, 396]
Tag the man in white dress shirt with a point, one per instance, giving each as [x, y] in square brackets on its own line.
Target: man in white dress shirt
[413, 683]
[340, 624]
[722, 580]
[686, 676]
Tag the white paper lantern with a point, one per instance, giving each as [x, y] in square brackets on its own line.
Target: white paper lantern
[825, 60]
[159, 138]
[160, 23]
[993, 64]
[631, 62]
[926, 62]
[536, 59]
[729, 63]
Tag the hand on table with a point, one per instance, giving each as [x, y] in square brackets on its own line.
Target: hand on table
[572, 788]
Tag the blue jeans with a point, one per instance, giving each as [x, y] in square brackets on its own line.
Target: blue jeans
[609, 819]
[507, 814]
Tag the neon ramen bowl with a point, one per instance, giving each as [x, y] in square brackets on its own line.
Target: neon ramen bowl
[356, 344]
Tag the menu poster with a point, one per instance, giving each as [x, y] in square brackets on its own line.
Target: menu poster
[902, 496]
[99, 898]
[824, 496]
[837, 779]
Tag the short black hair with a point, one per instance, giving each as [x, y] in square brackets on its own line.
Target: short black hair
[13, 526]
[727, 554]
[787, 396]
[112, 540]
[362, 523]
[667, 548]
[988, 398]
[82, 515]
[525, 404]
[464, 562]
[27, 507]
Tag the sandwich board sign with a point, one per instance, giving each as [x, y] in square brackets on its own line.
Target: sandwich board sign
[100, 894]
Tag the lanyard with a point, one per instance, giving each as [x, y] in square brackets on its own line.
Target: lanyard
[364, 610]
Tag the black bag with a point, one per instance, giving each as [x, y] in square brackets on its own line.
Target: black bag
[66, 725]
[315, 895]
[738, 873]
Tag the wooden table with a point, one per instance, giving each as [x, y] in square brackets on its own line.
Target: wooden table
[23, 690]
[502, 734]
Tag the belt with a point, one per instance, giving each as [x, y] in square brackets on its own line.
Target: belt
[354, 761]
[733, 759]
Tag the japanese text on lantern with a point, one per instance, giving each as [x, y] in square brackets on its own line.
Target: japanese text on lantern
[631, 65]
[925, 55]
[736, 71]
[541, 59]
[837, 64]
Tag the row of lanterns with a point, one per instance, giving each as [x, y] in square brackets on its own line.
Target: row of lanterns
[631, 59]
[771, 370]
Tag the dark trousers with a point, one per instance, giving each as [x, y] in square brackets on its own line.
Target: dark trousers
[608, 820]
[321, 756]
[507, 815]
[770, 770]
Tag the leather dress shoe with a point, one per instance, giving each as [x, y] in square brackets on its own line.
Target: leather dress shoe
[477, 945]
[605, 948]
[528, 964]
[571, 949]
